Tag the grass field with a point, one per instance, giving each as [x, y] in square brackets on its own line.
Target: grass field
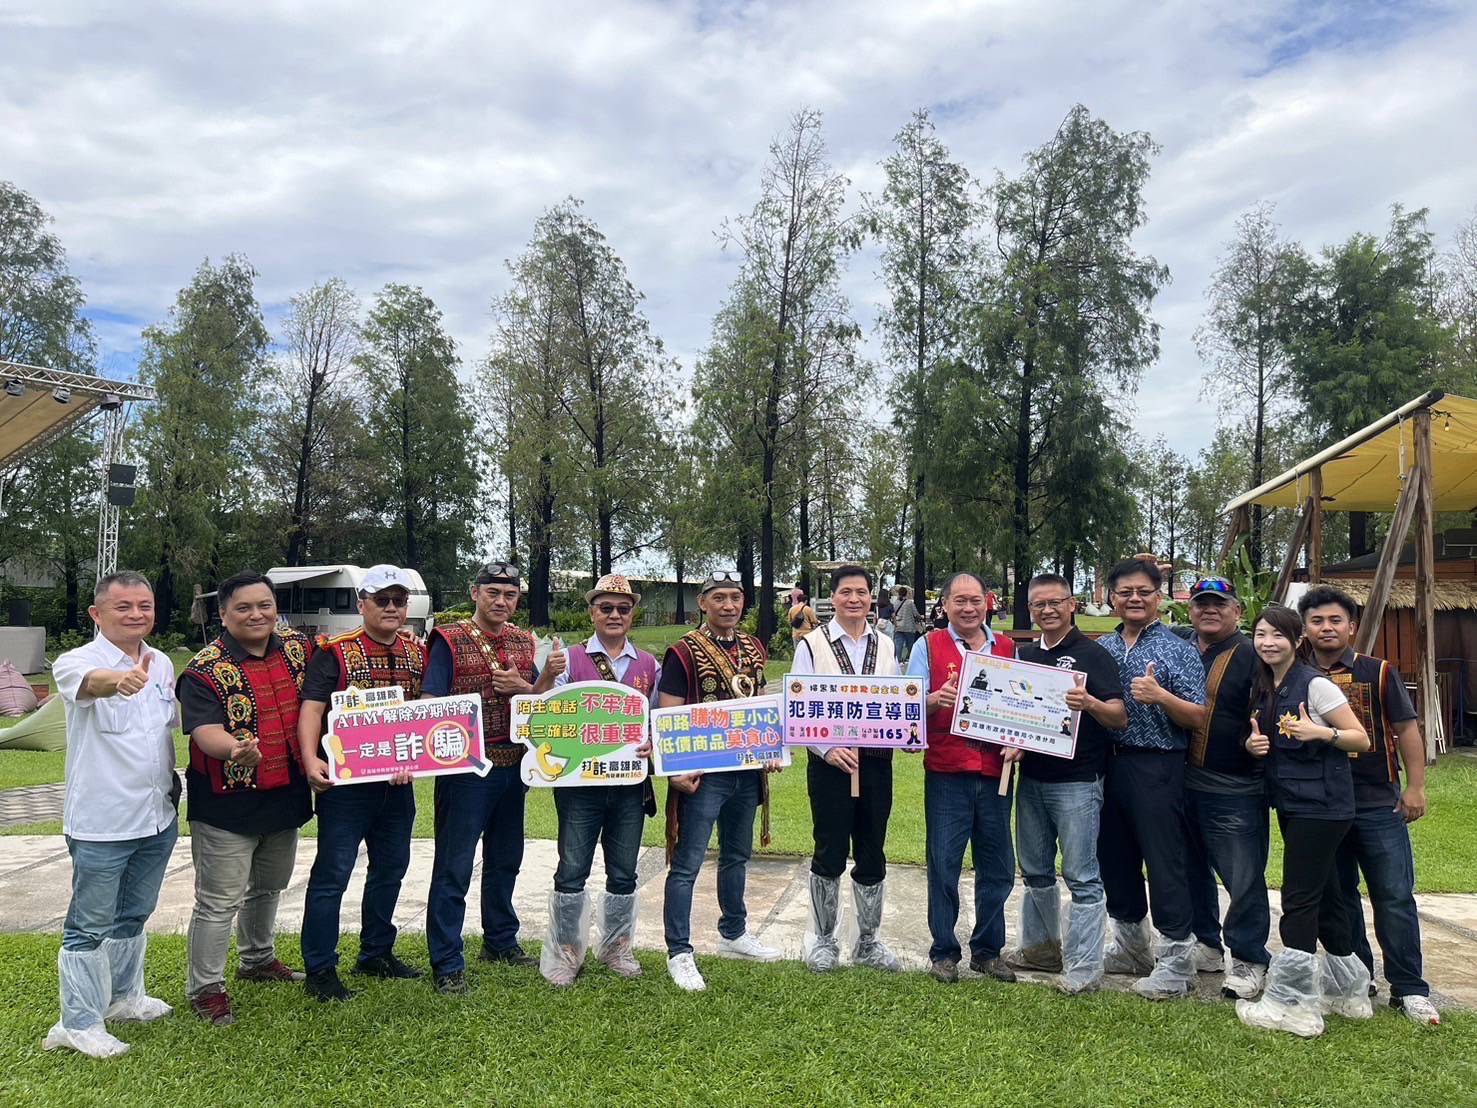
[760, 1035]
[1445, 861]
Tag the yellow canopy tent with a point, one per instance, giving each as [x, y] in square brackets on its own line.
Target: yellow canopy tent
[1417, 460]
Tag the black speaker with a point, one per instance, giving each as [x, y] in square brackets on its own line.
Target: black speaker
[18, 612]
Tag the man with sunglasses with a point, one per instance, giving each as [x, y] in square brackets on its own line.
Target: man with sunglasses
[1059, 801]
[483, 656]
[1225, 798]
[611, 815]
[1143, 822]
[377, 814]
[716, 661]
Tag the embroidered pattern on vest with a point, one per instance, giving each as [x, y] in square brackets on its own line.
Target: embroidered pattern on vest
[718, 675]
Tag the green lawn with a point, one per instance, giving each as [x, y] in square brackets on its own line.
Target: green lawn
[853, 1037]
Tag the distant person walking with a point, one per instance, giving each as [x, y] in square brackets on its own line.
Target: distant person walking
[905, 620]
[801, 615]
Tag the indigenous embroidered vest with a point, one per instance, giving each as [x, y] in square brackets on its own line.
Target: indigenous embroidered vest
[367, 664]
[474, 656]
[1377, 771]
[947, 752]
[260, 697]
[829, 657]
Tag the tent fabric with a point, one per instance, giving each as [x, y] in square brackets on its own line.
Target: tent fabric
[1367, 478]
[45, 729]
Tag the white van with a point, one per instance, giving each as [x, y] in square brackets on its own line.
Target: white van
[323, 600]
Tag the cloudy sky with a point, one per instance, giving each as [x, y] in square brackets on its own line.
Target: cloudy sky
[419, 143]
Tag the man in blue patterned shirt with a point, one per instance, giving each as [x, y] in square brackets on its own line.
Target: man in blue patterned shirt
[1143, 821]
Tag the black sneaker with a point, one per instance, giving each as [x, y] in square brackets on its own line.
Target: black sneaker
[386, 965]
[512, 956]
[992, 967]
[326, 986]
[452, 984]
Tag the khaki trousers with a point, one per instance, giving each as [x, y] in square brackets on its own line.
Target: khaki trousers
[238, 879]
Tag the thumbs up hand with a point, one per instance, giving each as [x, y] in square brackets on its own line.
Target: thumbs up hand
[1303, 729]
[1257, 744]
[558, 661]
[132, 680]
[1146, 689]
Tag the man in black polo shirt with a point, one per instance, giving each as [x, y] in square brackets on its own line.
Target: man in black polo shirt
[1225, 798]
[1058, 801]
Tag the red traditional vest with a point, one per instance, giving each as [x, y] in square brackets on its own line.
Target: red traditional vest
[474, 656]
[260, 697]
[947, 752]
[367, 664]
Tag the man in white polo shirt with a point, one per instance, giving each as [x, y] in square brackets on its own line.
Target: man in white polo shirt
[119, 816]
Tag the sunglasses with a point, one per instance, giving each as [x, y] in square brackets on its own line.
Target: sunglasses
[497, 569]
[1218, 585]
[381, 601]
[726, 575]
[607, 608]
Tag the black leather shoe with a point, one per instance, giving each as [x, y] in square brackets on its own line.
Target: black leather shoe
[326, 986]
[386, 965]
[512, 956]
[992, 967]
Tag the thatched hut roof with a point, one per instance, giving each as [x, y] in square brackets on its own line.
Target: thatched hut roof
[1450, 595]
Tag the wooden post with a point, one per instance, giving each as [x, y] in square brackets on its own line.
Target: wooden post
[1315, 527]
[1384, 573]
[1294, 547]
[1425, 584]
[1239, 525]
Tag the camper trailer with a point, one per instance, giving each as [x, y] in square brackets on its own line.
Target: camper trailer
[323, 600]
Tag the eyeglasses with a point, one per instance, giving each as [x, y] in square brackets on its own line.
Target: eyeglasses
[381, 601]
[606, 609]
[1053, 604]
[1142, 594]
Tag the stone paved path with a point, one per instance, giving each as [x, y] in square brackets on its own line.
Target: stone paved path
[35, 877]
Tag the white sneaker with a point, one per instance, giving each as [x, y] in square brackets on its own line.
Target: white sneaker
[1245, 980]
[748, 948]
[1208, 959]
[1419, 1009]
[685, 973]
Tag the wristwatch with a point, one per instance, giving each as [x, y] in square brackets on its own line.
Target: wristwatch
[1334, 741]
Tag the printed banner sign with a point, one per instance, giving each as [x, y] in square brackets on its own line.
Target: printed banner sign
[1014, 703]
[582, 733]
[846, 710]
[718, 737]
[375, 733]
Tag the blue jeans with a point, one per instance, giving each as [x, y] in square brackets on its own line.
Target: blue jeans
[962, 809]
[728, 800]
[608, 814]
[1048, 813]
[1228, 838]
[903, 644]
[1379, 844]
[115, 887]
[380, 816]
[471, 808]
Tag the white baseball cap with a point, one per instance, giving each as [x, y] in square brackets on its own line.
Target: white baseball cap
[382, 577]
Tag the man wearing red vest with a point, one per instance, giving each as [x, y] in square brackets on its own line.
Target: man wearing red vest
[961, 801]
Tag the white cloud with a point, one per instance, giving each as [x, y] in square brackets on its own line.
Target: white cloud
[420, 144]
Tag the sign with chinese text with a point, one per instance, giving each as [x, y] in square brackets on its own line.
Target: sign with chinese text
[846, 710]
[582, 733]
[1014, 703]
[375, 733]
[718, 737]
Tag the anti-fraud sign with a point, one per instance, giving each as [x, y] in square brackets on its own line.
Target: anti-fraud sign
[1014, 703]
[718, 737]
[582, 733]
[375, 733]
[846, 710]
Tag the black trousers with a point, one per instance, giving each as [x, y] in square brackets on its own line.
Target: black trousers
[1313, 905]
[845, 824]
[1143, 826]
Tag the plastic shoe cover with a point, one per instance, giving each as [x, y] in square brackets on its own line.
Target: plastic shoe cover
[126, 959]
[819, 948]
[1344, 983]
[1245, 980]
[684, 971]
[870, 950]
[618, 933]
[1129, 952]
[1208, 959]
[1041, 929]
[1419, 1009]
[86, 983]
[563, 955]
[1082, 950]
[1291, 1000]
[1174, 971]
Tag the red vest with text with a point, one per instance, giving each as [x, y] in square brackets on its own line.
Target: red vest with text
[948, 753]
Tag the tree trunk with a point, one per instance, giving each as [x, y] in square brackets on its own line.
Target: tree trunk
[920, 552]
[512, 522]
[677, 567]
[1021, 516]
[745, 566]
[539, 541]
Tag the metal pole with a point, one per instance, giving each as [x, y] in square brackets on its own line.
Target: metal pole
[107, 519]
